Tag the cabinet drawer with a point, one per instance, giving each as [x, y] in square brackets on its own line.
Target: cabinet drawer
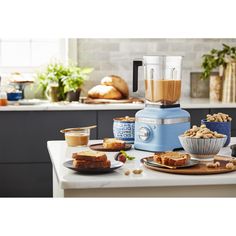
[197, 115]
[233, 133]
[26, 180]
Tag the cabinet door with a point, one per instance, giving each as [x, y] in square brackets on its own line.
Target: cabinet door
[24, 135]
[26, 180]
[105, 121]
[197, 115]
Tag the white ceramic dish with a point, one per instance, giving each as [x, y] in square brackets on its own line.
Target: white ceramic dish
[202, 148]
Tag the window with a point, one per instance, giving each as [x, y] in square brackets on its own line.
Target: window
[25, 55]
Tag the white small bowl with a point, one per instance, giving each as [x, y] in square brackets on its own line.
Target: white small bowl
[202, 148]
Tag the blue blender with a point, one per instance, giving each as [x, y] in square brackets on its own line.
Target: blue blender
[159, 124]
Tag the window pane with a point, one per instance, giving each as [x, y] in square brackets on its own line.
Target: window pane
[15, 53]
[15, 40]
[44, 52]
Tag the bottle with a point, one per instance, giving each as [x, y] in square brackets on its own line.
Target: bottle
[3, 96]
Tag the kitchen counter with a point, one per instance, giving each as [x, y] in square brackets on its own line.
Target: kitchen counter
[67, 183]
[186, 103]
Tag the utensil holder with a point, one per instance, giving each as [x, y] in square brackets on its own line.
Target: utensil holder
[215, 88]
[229, 83]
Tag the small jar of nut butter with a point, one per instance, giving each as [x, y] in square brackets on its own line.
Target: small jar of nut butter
[123, 128]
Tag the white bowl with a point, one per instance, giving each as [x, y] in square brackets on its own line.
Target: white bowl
[202, 148]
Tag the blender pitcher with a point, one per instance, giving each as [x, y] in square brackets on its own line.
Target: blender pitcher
[162, 75]
[159, 124]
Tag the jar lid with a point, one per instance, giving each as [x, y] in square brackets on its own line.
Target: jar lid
[125, 119]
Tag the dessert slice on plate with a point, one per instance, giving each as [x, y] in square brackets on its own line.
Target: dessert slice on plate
[171, 158]
[113, 143]
[90, 159]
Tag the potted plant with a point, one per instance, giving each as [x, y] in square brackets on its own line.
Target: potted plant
[217, 59]
[58, 80]
[221, 60]
[74, 81]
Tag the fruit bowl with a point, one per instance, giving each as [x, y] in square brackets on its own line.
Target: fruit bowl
[202, 148]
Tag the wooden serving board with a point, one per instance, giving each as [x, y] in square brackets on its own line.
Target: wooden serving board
[99, 147]
[112, 101]
[200, 169]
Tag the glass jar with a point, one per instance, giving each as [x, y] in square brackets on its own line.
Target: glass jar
[3, 98]
[76, 138]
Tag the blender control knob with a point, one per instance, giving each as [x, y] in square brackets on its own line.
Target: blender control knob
[144, 133]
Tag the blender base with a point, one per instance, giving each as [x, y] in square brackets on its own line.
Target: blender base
[157, 129]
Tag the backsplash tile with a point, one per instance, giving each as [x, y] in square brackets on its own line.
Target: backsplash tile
[115, 56]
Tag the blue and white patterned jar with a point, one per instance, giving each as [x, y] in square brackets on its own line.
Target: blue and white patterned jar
[123, 128]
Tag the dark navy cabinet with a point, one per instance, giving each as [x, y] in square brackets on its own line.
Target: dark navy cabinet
[25, 167]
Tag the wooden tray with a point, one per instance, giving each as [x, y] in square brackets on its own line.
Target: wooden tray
[99, 147]
[200, 169]
[112, 101]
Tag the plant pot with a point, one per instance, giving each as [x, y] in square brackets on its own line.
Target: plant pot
[52, 93]
[215, 91]
[74, 96]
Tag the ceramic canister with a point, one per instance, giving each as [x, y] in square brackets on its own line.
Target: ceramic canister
[123, 128]
[219, 127]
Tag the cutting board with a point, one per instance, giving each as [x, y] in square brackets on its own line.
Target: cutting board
[112, 101]
[200, 169]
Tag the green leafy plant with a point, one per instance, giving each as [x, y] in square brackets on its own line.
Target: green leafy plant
[68, 78]
[76, 78]
[216, 59]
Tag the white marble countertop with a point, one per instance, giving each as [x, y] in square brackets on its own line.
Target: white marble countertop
[186, 103]
[68, 179]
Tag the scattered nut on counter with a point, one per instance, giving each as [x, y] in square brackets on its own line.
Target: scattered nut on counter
[233, 161]
[127, 172]
[217, 164]
[201, 132]
[219, 117]
[229, 166]
[213, 165]
[137, 171]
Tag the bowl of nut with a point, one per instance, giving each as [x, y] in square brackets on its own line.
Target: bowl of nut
[221, 123]
[202, 143]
